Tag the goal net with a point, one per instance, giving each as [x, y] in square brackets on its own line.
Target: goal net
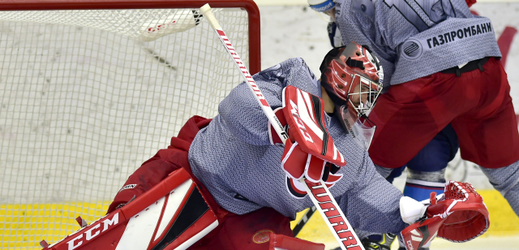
[92, 89]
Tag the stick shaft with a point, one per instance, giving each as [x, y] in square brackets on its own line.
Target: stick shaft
[318, 192]
[206, 11]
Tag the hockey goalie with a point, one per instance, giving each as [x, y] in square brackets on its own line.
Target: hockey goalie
[226, 182]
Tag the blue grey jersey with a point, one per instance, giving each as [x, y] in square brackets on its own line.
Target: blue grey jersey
[414, 39]
[233, 157]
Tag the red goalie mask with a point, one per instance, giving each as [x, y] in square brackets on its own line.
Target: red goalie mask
[352, 77]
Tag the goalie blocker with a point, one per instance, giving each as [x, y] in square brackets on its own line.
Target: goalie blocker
[171, 209]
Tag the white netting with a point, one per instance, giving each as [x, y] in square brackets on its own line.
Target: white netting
[140, 24]
[88, 95]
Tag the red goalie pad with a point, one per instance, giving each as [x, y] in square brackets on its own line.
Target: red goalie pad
[172, 214]
[304, 114]
[459, 216]
[279, 241]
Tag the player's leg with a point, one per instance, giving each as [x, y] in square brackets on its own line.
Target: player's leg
[426, 171]
[390, 173]
[489, 137]
[506, 181]
[487, 133]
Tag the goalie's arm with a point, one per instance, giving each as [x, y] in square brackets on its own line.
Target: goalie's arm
[243, 117]
[240, 110]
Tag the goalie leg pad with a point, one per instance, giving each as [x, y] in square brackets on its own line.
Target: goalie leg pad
[184, 219]
[172, 214]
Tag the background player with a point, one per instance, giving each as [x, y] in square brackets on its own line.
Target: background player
[405, 37]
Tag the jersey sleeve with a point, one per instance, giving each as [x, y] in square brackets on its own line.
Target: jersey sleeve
[370, 191]
[241, 112]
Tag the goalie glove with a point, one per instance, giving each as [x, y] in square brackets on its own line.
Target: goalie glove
[458, 215]
[310, 151]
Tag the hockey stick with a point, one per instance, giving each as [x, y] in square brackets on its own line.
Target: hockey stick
[178, 22]
[318, 192]
[304, 219]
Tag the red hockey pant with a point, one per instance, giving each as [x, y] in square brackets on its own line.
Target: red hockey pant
[477, 104]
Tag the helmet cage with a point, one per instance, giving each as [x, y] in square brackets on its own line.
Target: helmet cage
[362, 95]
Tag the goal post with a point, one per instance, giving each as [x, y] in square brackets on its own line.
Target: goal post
[91, 89]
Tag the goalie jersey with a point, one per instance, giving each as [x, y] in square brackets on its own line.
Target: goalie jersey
[414, 39]
[234, 159]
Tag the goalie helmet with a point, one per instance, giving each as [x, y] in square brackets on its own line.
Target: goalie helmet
[352, 77]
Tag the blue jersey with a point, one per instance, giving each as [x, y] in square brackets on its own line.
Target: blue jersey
[234, 159]
[414, 39]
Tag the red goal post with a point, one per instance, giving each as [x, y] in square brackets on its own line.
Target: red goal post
[90, 89]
